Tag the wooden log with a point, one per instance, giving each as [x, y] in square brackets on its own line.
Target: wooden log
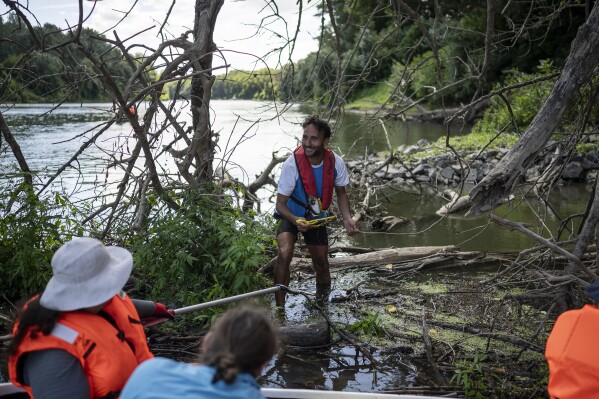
[463, 203]
[384, 256]
[306, 335]
[456, 205]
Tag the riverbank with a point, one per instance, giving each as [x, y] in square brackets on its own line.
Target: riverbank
[416, 327]
[433, 163]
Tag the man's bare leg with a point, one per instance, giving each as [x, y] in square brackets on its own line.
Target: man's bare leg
[320, 262]
[282, 275]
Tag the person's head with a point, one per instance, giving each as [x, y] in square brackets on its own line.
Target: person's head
[86, 274]
[321, 125]
[242, 340]
[316, 136]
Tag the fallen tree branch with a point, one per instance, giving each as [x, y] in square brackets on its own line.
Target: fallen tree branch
[520, 227]
[429, 350]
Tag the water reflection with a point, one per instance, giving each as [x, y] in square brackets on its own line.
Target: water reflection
[355, 134]
[338, 369]
[425, 228]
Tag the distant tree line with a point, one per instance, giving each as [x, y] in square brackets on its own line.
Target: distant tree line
[260, 84]
[27, 76]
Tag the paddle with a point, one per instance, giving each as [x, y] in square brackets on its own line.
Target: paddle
[148, 322]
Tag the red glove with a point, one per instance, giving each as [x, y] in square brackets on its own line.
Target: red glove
[161, 311]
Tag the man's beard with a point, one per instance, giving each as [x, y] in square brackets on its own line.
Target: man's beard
[317, 150]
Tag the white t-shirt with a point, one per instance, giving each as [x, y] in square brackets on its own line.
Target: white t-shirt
[290, 174]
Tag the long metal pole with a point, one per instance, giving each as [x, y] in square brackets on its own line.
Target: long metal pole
[219, 302]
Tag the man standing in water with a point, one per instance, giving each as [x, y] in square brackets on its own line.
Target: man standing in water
[305, 193]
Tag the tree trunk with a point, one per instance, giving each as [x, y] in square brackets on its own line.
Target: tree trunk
[16, 150]
[577, 71]
[202, 148]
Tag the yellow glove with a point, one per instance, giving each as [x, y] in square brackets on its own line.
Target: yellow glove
[313, 223]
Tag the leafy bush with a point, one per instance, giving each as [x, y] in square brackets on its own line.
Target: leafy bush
[477, 140]
[31, 229]
[371, 97]
[427, 76]
[470, 376]
[371, 325]
[206, 250]
[587, 147]
[525, 103]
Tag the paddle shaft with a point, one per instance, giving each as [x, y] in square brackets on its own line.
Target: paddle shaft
[219, 302]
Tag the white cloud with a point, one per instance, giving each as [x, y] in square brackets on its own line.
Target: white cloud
[235, 28]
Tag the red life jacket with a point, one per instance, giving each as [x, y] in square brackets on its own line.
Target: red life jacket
[306, 173]
[108, 352]
[572, 354]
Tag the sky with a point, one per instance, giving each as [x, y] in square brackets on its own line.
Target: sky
[234, 33]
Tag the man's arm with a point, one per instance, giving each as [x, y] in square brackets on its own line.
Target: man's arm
[343, 202]
[284, 211]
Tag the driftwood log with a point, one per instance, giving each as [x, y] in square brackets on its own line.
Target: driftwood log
[366, 256]
[383, 256]
[402, 259]
[312, 335]
[458, 204]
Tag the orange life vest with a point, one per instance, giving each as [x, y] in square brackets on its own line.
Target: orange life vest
[572, 354]
[306, 173]
[108, 345]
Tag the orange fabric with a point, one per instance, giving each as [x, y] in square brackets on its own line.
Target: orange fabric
[572, 352]
[107, 360]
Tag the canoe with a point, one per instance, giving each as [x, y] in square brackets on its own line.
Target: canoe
[9, 391]
[318, 394]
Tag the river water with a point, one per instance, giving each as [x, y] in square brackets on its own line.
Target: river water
[250, 132]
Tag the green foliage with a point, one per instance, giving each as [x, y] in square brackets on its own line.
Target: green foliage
[372, 325]
[65, 72]
[31, 229]
[424, 80]
[584, 148]
[373, 38]
[524, 102]
[371, 97]
[206, 250]
[430, 75]
[471, 376]
[477, 140]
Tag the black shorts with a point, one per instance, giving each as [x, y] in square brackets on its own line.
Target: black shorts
[316, 236]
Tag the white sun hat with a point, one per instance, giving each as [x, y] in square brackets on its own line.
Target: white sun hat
[86, 273]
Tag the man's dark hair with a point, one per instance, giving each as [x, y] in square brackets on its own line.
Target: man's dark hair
[322, 125]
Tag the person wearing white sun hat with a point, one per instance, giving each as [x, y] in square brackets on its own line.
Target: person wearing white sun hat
[82, 337]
